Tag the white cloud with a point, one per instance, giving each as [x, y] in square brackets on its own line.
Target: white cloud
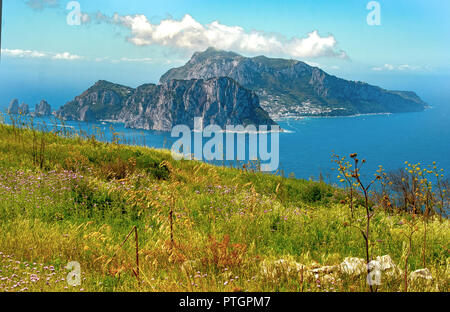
[66, 56]
[408, 67]
[19, 53]
[390, 67]
[384, 67]
[137, 60]
[23, 53]
[188, 34]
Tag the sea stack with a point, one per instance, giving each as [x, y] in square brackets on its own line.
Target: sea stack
[13, 107]
[43, 109]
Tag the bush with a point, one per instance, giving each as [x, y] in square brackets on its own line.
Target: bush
[315, 192]
[153, 167]
[118, 169]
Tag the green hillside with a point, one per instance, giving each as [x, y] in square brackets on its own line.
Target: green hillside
[200, 227]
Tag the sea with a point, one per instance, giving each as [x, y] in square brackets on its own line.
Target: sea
[307, 144]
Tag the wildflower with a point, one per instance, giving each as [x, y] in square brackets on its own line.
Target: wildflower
[34, 278]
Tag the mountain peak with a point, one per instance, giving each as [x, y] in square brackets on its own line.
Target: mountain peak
[104, 83]
[211, 49]
[213, 53]
[288, 87]
[108, 84]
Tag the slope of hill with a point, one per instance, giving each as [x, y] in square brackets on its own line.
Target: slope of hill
[200, 227]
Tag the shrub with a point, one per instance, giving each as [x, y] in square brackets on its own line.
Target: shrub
[118, 169]
[154, 167]
[315, 192]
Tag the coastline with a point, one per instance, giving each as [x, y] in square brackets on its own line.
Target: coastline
[288, 118]
[300, 117]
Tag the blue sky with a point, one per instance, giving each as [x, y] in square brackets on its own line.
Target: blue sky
[146, 38]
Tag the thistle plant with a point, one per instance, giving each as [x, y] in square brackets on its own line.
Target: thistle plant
[345, 177]
[412, 228]
[385, 184]
[365, 189]
[440, 189]
[355, 176]
[426, 196]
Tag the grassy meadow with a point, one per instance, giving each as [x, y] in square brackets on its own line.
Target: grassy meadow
[199, 227]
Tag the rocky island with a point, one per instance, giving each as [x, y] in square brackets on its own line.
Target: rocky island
[14, 108]
[42, 109]
[226, 88]
[220, 101]
[290, 88]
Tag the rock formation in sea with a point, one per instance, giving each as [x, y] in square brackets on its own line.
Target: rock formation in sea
[43, 109]
[13, 107]
[220, 101]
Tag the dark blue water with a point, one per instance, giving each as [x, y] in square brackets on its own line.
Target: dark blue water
[306, 148]
[387, 140]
